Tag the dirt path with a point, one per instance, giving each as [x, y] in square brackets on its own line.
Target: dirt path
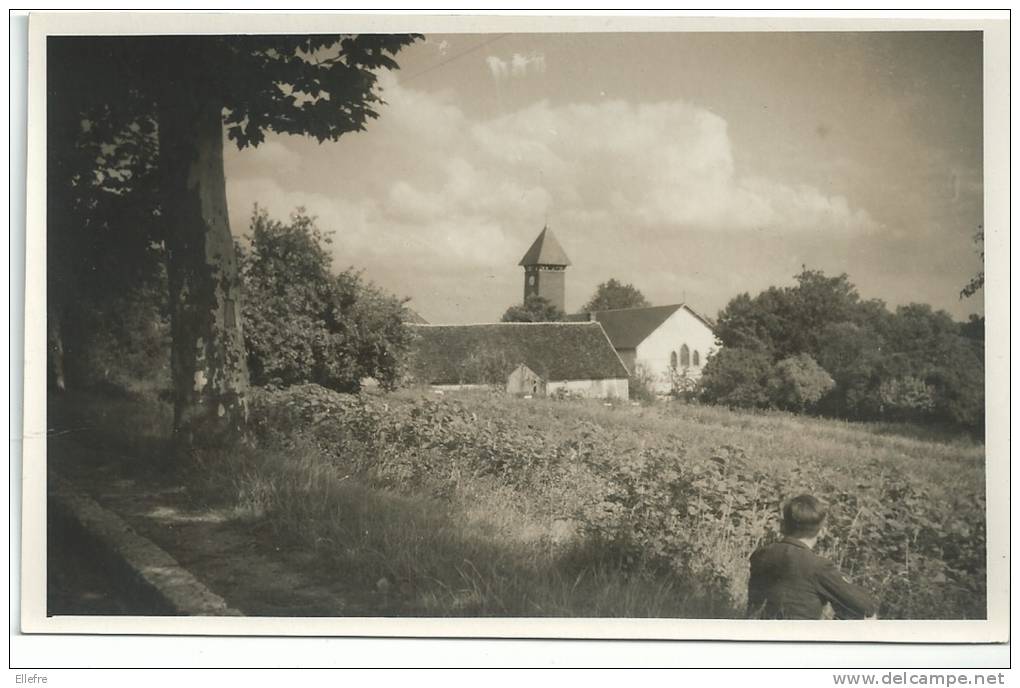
[86, 579]
[229, 556]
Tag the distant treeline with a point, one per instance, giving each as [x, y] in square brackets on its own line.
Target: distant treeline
[818, 347]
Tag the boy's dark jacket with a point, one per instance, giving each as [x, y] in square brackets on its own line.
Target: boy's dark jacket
[789, 581]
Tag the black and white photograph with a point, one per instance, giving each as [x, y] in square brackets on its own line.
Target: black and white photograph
[680, 328]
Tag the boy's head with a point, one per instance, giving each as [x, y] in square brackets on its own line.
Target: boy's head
[803, 517]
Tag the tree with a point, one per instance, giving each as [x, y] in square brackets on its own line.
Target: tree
[943, 358]
[304, 324]
[286, 280]
[748, 323]
[534, 309]
[959, 387]
[853, 355]
[787, 321]
[977, 282]
[737, 378]
[188, 87]
[104, 246]
[368, 335]
[974, 329]
[913, 363]
[612, 295]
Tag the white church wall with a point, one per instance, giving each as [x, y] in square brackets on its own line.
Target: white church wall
[654, 354]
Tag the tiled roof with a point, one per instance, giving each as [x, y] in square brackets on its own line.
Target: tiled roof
[486, 354]
[545, 251]
[412, 317]
[628, 327]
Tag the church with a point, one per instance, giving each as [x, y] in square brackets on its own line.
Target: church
[667, 343]
[591, 355]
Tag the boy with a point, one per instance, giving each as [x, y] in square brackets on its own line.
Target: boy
[789, 581]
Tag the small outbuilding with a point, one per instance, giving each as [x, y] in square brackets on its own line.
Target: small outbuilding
[524, 358]
[524, 381]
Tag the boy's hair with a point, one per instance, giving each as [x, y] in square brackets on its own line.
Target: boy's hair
[803, 516]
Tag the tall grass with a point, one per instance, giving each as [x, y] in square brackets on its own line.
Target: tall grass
[480, 553]
[537, 513]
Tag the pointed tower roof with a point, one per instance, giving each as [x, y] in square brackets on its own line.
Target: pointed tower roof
[545, 251]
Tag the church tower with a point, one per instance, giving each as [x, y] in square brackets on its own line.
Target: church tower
[545, 266]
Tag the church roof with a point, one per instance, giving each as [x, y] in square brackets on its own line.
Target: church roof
[628, 327]
[545, 251]
[487, 354]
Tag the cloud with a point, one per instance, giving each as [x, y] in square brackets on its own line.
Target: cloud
[521, 64]
[662, 165]
[516, 65]
[499, 68]
[431, 192]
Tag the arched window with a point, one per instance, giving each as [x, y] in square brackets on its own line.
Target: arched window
[685, 356]
[672, 360]
[696, 359]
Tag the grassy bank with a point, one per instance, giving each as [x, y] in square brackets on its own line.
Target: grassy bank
[482, 505]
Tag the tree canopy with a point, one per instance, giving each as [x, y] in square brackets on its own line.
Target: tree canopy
[317, 85]
[614, 294]
[910, 363]
[534, 309]
[141, 118]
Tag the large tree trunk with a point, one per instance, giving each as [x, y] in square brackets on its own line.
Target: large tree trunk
[210, 376]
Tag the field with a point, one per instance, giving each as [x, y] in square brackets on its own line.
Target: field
[479, 505]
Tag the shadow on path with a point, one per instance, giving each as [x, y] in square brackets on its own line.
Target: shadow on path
[226, 554]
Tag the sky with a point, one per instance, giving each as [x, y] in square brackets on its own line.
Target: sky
[696, 166]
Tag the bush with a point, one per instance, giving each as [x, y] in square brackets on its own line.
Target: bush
[120, 345]
[907, 398]
[304, 324]
[797, 383]
[682, 385]
[641, 385]
[736, 378]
